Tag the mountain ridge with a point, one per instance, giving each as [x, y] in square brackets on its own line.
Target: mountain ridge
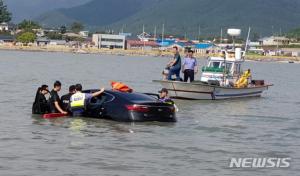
[185, 17]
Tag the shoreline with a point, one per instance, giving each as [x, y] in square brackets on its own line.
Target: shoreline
[121, 52]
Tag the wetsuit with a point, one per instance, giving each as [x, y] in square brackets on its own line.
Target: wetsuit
[40, 105]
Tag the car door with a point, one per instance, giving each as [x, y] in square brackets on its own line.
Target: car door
[97, 107]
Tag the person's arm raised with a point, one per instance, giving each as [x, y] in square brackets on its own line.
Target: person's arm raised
[95, 94]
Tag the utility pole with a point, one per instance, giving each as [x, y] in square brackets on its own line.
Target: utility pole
[221, 38]
[144, 36]
[155, 32]
[199, 33]
[163, 33]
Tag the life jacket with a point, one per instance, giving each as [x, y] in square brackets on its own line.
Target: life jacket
[78, 100]
[120, 87]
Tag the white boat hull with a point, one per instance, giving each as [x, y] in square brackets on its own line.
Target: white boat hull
[201, 91]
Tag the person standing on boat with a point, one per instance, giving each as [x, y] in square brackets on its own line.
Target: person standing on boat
[175, 65]
[189, 66]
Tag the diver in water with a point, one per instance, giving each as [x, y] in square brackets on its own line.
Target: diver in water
[40, 104]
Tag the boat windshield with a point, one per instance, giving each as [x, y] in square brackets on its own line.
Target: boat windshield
[215, 64]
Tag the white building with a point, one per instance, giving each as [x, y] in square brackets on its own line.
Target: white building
[109, 41]
[84, 34]
[4, 27]
[57, 42]
[273, 41]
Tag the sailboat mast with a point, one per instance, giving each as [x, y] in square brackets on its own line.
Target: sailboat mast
[199, 33]
[163, 33]
[155, 32]
[144, 36]
[247, 40]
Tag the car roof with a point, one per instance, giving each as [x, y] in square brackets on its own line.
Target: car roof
[128, 96]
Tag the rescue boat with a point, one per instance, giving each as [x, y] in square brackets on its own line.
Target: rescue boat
[222, 78]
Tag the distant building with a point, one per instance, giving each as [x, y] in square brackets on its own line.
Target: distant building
[146, 37]
[6, 39]
[57, 42]
[71, 34]
[8, 27]
[137, 44]
[84, 34]
[4, 27]
[203, 47]
[109, 41]
[273, 40]
[125, 34]
[42, 41]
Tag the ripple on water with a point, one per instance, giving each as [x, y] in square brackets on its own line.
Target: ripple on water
[206, 136]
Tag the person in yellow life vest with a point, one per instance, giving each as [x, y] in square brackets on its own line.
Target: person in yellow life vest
[79, 100]
[244, 79]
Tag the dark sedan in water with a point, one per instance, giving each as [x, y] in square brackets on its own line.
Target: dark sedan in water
[129, 107]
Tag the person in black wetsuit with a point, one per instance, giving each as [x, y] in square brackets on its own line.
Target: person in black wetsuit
[65, 99]
[40, 104]
[54, 100]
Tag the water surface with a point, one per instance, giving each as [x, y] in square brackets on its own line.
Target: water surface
[206, 136]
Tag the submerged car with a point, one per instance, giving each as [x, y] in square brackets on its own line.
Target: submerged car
[129, 107]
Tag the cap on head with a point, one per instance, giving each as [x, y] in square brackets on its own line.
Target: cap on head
[78, 87]
[57, 84]
[163, 90]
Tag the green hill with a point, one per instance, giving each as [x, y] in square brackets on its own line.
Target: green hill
[185, 17]
[94, 13]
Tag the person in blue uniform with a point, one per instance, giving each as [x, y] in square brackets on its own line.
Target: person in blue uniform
[79, 100]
